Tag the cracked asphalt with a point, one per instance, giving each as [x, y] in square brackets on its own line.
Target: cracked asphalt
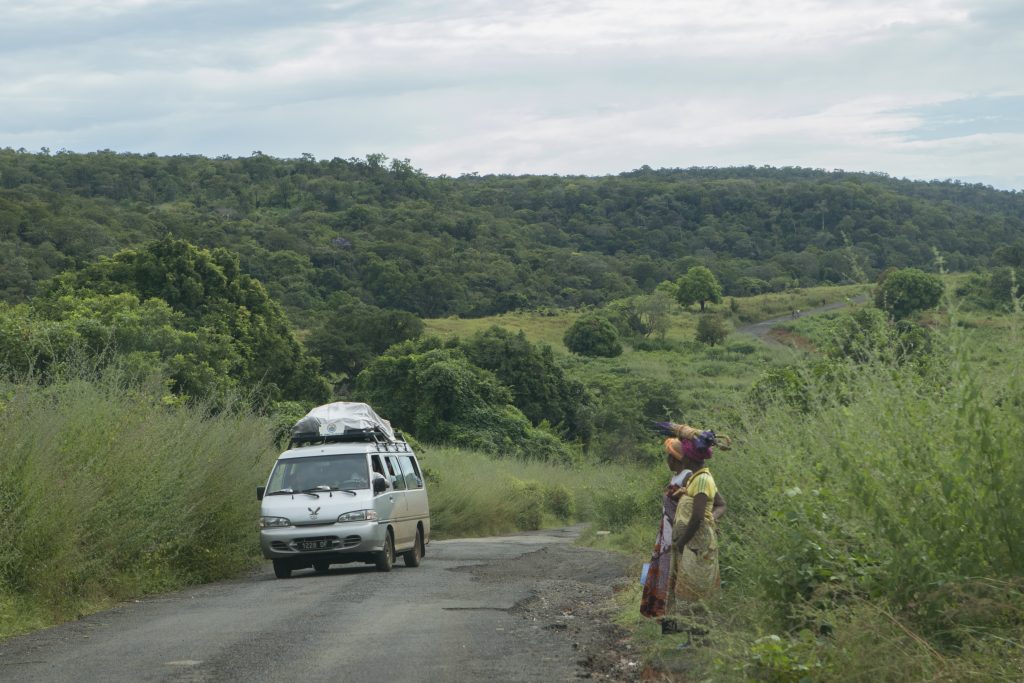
[526, 607]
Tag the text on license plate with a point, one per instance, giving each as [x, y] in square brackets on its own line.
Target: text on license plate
[314, 544]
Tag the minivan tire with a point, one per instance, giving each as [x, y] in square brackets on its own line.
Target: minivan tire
[412, 557]
[282, 569]
[385, 559]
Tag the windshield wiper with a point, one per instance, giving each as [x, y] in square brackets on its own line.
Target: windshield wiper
[312, 490]
[329, 489]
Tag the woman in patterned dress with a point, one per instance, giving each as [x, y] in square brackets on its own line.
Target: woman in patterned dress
[695, 574]
[657, 588]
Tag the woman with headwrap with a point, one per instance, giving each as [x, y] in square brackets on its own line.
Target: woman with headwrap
[657, 588]
[694, 576]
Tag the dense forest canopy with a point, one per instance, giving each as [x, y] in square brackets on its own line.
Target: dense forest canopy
[187, 314]
[395, 238]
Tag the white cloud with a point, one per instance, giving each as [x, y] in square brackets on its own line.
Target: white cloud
[556, 86]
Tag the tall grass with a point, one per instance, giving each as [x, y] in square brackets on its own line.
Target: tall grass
[880, 536]
[472, 494]
[107, 493]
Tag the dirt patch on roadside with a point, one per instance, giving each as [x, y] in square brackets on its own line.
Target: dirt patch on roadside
[572, 599]
[790, 338]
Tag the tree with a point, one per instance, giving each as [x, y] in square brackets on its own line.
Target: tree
[643, 315]
[440, 396]
[999, 289]
[216, 304]
[352, 333]
[593, 335]
[711, 330]
[539, 386]
[699, 286]
[908, 290]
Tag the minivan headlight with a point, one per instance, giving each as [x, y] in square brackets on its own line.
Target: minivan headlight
[269, 522]
[358, 516]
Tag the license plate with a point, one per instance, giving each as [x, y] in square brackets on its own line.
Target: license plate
[313, 544]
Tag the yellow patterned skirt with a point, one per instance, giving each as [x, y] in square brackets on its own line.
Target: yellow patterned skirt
[694, 577]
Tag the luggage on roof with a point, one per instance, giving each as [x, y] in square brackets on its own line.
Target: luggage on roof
[342, 421]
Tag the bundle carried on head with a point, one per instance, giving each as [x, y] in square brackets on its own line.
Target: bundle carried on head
[690, 441]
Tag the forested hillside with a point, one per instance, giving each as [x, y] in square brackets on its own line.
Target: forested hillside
[396, 238]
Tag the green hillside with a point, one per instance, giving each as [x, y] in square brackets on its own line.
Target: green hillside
[396, 238]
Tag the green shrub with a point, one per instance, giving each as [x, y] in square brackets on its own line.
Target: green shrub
[593, 335]
[860, 335]
[711, 330]
[774, 659]
[998, 290]
[528, 501]
[558, 500]
[618, 508]
[906, 291]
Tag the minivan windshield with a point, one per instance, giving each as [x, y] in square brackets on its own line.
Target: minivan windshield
[343, 472]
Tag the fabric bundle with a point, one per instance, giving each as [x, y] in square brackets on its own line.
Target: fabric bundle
[694, 443]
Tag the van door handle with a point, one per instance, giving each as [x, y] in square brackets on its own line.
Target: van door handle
[391, 498]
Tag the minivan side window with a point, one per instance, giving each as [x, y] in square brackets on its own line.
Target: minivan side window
[377, 467]
[411, 473]
[397, 480]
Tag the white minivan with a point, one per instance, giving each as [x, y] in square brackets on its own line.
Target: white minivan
[348, 490]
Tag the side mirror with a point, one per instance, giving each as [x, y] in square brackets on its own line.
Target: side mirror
[260, 490]
[380, 484]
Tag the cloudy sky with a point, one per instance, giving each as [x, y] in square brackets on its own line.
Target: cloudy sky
[916, 88]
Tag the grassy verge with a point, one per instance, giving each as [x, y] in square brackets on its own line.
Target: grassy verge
[106, 494]
[875, 536]
[472, 494]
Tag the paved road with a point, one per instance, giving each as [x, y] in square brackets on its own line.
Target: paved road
[470, 612]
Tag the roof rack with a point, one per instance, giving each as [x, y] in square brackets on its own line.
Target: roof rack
[349, 435]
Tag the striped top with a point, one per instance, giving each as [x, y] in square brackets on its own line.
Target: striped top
[701, 481]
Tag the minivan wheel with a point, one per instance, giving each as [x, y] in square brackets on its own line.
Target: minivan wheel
[321, 567]
[412, 557]
[386, 558]
[282, 569]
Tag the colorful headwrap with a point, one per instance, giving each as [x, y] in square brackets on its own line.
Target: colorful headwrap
[697, 449]
[677, 448]
[674, 447]
[694, 444]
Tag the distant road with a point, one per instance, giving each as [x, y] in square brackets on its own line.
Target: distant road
[514, 608]
[761, 329]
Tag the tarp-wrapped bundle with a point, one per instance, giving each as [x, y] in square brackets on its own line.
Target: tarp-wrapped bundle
[339, 421]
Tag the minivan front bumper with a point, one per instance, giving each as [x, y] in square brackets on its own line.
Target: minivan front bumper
[338, 542]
